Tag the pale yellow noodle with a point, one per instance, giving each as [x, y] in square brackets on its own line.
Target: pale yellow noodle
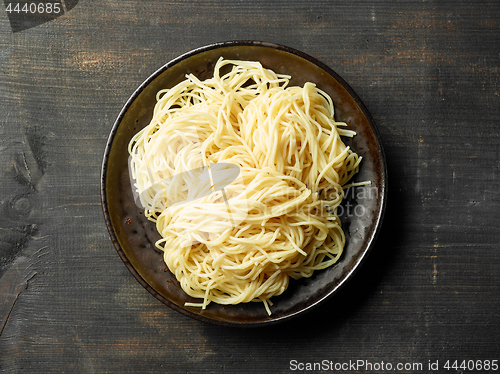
[276, 221]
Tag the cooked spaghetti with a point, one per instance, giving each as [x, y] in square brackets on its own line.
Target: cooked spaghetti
[242, 175]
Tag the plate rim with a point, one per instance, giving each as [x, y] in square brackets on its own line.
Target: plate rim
[376, 224]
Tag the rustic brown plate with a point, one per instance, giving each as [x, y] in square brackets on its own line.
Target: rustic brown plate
[134, 236]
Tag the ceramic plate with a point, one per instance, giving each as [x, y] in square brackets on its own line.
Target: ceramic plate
[134, 236]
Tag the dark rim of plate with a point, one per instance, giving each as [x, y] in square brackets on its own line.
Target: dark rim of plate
[241, 43]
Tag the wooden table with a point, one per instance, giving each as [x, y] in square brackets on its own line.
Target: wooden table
[428, 294]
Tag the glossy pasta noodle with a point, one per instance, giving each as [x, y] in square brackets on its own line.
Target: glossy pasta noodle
[242, 175]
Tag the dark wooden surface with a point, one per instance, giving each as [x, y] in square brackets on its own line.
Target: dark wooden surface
[428, 71]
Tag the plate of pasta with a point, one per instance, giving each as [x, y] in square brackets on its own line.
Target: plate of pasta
[243, 183]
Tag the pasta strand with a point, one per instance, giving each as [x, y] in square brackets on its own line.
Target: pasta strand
[242, 176]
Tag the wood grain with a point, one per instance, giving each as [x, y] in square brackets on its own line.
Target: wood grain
[428, 73]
